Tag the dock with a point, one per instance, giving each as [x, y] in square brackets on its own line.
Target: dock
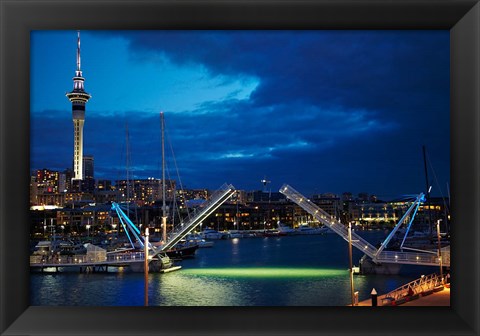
[440, 298]
[425, 291]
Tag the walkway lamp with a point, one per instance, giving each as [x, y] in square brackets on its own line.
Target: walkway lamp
[351, 262]
[145, 266]
[439, 250]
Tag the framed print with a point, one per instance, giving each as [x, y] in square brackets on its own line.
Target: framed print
[446, 37]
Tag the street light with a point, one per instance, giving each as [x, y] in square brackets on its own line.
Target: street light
[351, 263]
[54, 232]
[439, 250]
[145, 267]
[88, 230]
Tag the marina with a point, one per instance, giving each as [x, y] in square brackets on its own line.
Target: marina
[269, 271]
[380, 259]
[253, 268]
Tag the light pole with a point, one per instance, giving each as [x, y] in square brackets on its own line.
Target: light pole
[88, 230]
[439, 249]
[351, 263]
[54, 232]
[145, 266]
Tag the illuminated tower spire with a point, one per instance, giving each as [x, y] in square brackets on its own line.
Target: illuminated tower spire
[79, 98]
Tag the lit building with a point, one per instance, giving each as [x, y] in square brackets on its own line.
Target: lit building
[88, 182]
[68, 179]
[76, 199]
[144, 191]
[265, 196]
[50, 181]
[33, 190]
[381, 212]
[79, 98]
[104, 185]
[88, 168]
[47, 187]
[76, 220]
[329, 203]
[194, 194]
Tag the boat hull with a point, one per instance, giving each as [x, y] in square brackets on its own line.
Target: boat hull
[182, 252]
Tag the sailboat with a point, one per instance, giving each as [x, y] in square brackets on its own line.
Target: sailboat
[181, 250]
[184, 249]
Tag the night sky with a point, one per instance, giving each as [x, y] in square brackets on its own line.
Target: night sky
[324, 111]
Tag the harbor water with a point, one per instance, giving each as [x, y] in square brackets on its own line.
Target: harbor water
[302, 270]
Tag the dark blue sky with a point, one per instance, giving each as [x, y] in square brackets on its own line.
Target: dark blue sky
[324, 111]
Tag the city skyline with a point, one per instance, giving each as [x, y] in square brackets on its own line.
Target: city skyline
[324, 111]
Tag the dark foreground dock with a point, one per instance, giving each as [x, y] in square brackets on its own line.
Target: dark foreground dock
[435, 298]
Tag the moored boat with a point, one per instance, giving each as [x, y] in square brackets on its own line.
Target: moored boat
[213, 234]
[272, 233]
[286, 230]
[195, 238]
[182, 251]
[304, 229]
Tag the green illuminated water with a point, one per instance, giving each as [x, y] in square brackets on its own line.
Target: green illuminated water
[274, 271]
[265, 272]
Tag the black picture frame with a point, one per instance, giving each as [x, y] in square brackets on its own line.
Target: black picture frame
[18, 18]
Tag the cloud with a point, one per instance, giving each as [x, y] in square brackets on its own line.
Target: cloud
[335, 110]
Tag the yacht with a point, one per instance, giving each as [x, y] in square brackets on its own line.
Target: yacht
[195, 238]
[212, 234]
[304, 229]
[285, 230]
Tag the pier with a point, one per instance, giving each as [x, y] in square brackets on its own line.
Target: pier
[85, 262]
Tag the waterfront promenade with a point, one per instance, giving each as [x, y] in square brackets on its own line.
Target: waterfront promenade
[440, 298]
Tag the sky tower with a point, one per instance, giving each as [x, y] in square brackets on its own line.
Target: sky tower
[79, 98]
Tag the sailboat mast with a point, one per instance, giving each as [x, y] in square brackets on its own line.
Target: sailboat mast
[127, 166]
[428, 191]
[164, 210]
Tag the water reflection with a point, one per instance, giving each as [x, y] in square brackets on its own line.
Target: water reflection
[246, 287]
[271, 273]
[179, 290]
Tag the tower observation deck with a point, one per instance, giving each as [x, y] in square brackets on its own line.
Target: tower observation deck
[79, 98]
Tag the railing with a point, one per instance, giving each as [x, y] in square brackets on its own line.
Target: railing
[217, 199]
[129, 256]
[413, 258]
[86, 259]
[421, 285]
